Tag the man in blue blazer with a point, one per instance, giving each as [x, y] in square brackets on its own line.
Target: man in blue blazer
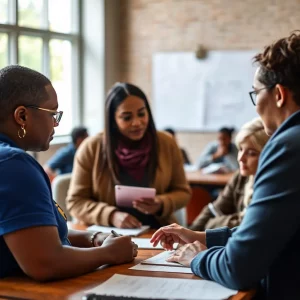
[263, 252]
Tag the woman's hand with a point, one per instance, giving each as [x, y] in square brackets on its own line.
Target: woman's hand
[148, 206]
[124, 220]
[121, 249]
[185, 254]
[174, 233]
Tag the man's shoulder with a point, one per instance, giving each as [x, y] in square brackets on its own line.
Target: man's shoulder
[7, 152]
[18, 163]
[12, 155]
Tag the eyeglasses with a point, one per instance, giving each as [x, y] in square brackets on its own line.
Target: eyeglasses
[253, 94]
[56, 114]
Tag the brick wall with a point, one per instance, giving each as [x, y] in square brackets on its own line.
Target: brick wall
[149, 26]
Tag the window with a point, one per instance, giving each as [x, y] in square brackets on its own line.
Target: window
[44, 35]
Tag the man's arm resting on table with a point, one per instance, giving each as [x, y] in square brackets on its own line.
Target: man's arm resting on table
[45, 258]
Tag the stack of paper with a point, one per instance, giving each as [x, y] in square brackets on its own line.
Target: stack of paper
[129, 232]
[145, 243]
[158, 263]
[121, 286]
[160, 260]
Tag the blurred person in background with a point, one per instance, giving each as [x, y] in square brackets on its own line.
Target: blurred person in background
[230, 207]
[184, 154]
[62, 161]
[221, 152]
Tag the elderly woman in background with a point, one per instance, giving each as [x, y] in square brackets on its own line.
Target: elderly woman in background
[229, 208]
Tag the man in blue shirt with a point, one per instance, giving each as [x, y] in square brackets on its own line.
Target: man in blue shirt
[62, 161]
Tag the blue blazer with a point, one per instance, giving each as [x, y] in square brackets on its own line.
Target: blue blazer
[264, 251]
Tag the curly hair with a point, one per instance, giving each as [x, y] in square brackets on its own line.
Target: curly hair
[279, 63]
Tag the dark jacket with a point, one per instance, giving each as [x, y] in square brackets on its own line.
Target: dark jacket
[227, 210]
[263, 251]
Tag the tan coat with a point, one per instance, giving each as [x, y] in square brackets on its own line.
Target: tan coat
[229, 206]
[91, 197]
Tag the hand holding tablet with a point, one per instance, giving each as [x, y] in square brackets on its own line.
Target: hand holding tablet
[142, 199]
[125, 195]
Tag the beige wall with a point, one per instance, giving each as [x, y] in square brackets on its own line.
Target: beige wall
[135, 29]
[149, 26]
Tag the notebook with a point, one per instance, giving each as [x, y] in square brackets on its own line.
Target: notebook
[122, 231]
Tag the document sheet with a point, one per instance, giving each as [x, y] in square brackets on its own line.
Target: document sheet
[144, 243]
[161, 288]
[160, 259]
[167, 269]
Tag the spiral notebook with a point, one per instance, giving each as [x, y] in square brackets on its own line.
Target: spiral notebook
[159, 288]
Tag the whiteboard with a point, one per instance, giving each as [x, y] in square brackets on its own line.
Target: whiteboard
[191, 94]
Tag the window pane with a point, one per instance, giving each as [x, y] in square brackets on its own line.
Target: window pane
[60, 13]
[30, 52]
[61, 77]
[3, 50]
[30, 13]
[3, 11]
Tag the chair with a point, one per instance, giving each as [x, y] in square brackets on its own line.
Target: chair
[200, 198]
[60, 186]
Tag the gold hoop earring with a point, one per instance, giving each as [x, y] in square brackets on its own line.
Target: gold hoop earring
[21, 132]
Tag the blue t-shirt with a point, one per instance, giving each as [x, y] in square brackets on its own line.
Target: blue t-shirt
[62, 160]
[25, 200]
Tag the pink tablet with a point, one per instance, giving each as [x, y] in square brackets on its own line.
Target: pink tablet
[126, 194]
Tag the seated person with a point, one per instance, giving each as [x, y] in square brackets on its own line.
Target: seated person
[62, 161]
[262, 253]
[184, 154]
[229, 208]
[222, 152]
[34, 237]
[129, 152]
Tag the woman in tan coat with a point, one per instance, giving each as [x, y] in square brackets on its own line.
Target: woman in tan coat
[129, 152]
[230, 206]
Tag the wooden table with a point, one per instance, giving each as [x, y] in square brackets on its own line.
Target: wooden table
[72, 289]
[198, 178]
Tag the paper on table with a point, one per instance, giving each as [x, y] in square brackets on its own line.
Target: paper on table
[145, 243]
[156, 268]
[161, 288]
[160, 259]
[130, 232]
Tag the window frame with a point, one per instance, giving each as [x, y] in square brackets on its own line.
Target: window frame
[13, 31]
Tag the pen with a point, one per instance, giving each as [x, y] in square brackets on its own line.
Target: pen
[115, 234]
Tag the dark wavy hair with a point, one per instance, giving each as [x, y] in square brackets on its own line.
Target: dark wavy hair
[117, 94]
[280, 64]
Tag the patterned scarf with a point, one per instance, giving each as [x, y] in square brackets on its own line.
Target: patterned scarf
[134, 160]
